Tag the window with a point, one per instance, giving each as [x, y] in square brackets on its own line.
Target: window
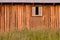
[36, 11]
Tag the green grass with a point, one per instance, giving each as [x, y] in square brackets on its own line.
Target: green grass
[30, 35]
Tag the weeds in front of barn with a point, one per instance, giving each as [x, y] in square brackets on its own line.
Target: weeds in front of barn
[30, 35]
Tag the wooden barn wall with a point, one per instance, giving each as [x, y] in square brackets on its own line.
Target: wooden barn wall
[49, 20]
[19, 16]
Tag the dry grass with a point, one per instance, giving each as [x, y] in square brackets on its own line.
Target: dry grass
[30, 35]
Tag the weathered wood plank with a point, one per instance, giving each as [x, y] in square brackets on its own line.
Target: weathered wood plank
[20, 17]
[28, 12]
[52, 17]
[2, 19]
[16, 16]
[7, 17]
[10, 13]
[46, 16]
[0, 15]
[57, 17]
[5, 11]
[13, 24]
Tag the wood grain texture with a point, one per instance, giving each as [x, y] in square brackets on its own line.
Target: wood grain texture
[19, 16]
[6, 28]
[57, 17]
[0, 15]
[16, 14]
[47, 15]
[22, 16]
[13, 17]
[7, 18]
[52, 17]
[2, 19]
[28, 12]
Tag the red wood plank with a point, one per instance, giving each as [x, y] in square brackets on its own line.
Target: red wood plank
[2, 20]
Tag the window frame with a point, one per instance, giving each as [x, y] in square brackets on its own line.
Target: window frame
[39, 14]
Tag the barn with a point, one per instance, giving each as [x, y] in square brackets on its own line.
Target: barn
[31, 14]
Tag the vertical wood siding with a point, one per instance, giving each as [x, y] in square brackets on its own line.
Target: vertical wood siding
[19, 16]
[52, 17]
[7, 17]
[59, 16]
[2, 18]
[28, 7]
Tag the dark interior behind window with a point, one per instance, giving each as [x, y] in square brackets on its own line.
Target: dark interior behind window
[36, 12]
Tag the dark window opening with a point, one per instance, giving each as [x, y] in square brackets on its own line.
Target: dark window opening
[36, 12]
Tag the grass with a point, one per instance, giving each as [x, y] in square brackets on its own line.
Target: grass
[30, 35]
